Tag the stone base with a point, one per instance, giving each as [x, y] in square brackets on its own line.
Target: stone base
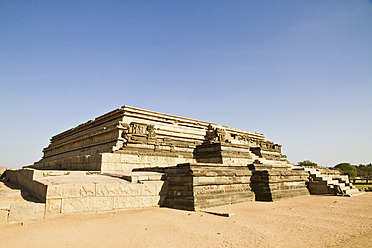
[190, 186]
[74, 192]
[196, 186]
[271, 185]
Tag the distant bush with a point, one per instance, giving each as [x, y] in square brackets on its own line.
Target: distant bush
[347, 169]
[307, 163]
[364, 171]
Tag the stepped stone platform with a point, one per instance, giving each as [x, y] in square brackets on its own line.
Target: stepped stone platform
[133, 158]
[197, 186]
[128, 138]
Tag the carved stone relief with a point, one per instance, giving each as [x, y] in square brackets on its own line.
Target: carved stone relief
[216, 134]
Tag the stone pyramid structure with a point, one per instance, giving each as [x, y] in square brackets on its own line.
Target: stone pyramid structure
[134, 158]
[129, 138]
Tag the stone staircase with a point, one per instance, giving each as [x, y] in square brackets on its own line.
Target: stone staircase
[263, 163]
[327, 182]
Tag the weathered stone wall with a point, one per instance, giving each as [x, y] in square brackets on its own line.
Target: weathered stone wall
[127, 161]
[99, 195]
[71, 192]
[92, 162]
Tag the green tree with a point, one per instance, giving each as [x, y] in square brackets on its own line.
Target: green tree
[364, 171]
[347, 169]
[307, 163]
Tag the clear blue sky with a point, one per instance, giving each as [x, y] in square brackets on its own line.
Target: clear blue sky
[298, 71]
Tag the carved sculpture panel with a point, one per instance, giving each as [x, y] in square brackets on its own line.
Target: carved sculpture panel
[216, 134]
[138, 131]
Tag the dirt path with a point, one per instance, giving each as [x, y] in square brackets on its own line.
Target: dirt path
[310, 221]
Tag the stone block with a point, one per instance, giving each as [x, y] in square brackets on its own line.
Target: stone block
[206, 180]
[111, 158]
[22, 211]
[149, 201]
[77, 205]
[118, 189]
[135, 189]
[53, 206]
[38, 174]
[158, 185]
[109, 189]
[4, 216]
[150, 189]
[71, 190]
[129, 202]
[103, 203]
[53, 191]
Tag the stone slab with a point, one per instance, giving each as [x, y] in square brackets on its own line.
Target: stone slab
[71, 190]
[103, 203]
[77, 205]
[129, 202]
[23, 211]
[53, 206]
[4, 216]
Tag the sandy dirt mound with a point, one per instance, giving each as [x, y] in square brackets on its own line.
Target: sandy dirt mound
[309, 221]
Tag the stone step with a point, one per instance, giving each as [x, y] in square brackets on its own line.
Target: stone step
[137, 176]
[342, 185]
[319, 177]
[329, 180]
[18, 205]
[344, 189]
[315, 173]
[317, 189]
[354, 191]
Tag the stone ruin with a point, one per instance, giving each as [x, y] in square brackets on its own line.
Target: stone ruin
[133, 158]
[129, 138]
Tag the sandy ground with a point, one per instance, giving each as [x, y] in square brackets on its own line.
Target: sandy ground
[309, 221]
